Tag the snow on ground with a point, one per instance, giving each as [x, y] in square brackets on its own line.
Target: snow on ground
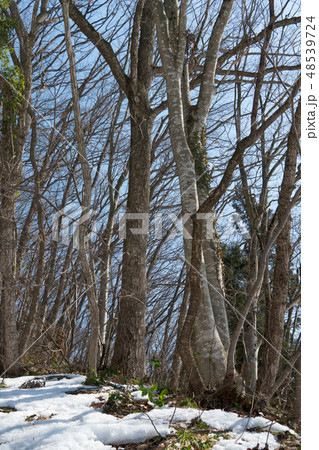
[72, 424]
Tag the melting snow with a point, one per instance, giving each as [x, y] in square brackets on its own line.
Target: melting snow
[73, 425]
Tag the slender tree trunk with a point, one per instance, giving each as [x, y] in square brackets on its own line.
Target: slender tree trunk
[27, 332]
[86, 256]
[106, 258]
[250, 337]
[278, 305]
[176, 364]
[296, 413]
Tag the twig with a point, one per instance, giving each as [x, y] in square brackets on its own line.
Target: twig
[152, 422]
[249, 417]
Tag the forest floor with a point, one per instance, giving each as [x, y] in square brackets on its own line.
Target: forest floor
[61, 412]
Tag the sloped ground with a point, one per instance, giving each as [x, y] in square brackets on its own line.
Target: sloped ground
[59, 412]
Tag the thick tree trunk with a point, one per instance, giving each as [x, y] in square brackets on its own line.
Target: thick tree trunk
[207, 366]
[209, 351]
[129, 349]
[210, 242]
[8, 278]
[210, 328]
[211, 332]
[10, 171]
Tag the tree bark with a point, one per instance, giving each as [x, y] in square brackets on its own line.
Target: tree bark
[129, 348]
[14, 131]
[88, 270]
[278, 304]
[10, 169]
[187, 133]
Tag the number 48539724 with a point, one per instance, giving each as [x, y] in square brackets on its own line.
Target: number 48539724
[310, 50]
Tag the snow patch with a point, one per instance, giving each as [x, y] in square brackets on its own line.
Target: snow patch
[59, 420]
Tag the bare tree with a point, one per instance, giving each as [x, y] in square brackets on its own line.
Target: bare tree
[14, 132]
[275, 321]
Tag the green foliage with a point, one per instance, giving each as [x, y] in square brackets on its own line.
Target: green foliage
[161, 385]
[225, 436]
[111, 371]
[155, 362]
[32, 373]
[188, 402]
[151, 391]
[6, 24]
[30, 418]
[235, 261]
[187, 440]
[115, 398]
[98, 379]
[92, 379]
[202, 425]
[8, 70]
[7, 409]
[161, 398]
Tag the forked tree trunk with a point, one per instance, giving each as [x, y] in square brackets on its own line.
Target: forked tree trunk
[209, 352]
[211, 332]
[201, 347]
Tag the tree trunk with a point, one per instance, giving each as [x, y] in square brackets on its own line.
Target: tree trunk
[208, 365]
[11, 153]
[250, 337]
[211, 332]
[8, 276]
[277, 311]
[86, 256]
[296, 413]
[129, 349]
